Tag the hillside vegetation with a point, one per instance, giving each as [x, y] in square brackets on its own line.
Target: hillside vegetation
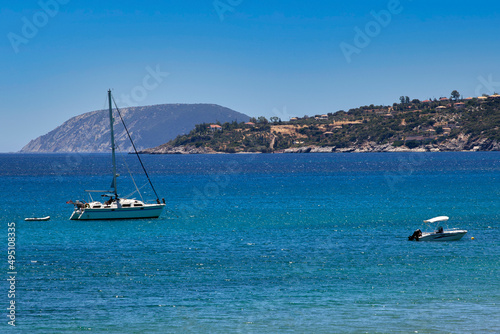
[427, 125]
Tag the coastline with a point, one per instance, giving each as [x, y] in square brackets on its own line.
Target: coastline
[462, 143]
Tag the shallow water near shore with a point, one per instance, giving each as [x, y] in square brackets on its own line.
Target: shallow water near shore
[268, 243]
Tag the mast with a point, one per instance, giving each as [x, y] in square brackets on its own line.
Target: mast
[112, 144]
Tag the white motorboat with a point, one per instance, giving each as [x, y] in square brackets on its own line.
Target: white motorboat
[116, 207]
[439, 233]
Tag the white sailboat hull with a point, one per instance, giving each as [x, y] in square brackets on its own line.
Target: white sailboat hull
[146, 211]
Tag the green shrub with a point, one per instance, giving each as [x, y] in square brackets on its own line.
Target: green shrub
[398, 143]
[413, 143]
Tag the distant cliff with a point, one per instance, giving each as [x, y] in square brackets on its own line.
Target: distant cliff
[149, 126]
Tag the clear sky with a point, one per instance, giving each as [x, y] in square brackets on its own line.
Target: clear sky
[271, 58]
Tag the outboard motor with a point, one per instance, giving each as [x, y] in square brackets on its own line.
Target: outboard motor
[415, 236]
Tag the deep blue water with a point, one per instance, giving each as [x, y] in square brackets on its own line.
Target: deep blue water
[307, 243]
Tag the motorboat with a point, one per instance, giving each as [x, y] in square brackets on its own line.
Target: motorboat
[439, 233]
[116, 207]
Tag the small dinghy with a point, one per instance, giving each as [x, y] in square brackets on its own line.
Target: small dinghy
[37, 219]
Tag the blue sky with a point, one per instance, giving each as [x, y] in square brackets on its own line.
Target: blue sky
[271, 58]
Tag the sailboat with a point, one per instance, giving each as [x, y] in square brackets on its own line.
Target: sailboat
[116, 207]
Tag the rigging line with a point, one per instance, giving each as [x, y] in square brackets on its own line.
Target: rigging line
[137, 191]
[136, 153]
[131, 176]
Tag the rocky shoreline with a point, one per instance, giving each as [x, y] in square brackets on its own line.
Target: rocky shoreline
[462, 143]
[187, 149]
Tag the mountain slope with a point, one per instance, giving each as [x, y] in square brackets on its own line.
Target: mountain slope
[149, 126]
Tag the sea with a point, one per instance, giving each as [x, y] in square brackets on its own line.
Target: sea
[253, 243]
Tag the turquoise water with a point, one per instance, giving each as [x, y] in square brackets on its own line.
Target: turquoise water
[307, 243]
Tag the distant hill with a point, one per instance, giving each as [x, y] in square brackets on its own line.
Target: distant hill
[149, 126]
